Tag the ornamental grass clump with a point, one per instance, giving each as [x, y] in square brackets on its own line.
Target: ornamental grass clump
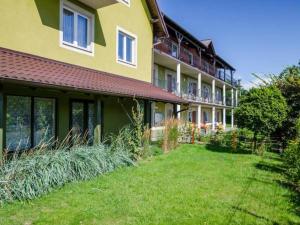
[171, 135]
[31, 175]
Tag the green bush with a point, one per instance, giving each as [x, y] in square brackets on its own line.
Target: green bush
[35, 174]
[292, 162]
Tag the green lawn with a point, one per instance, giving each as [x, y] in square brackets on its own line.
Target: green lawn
[191, 185]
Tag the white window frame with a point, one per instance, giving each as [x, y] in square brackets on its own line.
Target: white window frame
[90, 33]
[125, 2]
[192, 58]
[155, 75]
[177, 47]
[174, 76]
[134, 62]
[190, 81]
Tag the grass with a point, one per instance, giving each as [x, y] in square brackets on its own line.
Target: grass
[192, 185]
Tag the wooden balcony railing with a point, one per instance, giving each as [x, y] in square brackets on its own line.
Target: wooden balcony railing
[183, 54]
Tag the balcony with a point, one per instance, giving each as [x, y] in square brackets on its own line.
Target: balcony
[96, 4]
[170, 48]
[166, 85]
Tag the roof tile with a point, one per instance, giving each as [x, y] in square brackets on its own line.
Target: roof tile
[22, 67]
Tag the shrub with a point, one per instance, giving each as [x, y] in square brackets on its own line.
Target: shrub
[292, 162]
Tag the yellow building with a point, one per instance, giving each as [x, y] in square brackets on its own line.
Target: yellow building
[75, 65]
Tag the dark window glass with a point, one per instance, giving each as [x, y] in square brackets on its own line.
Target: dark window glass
[68, 26]
[82, 31]
[129, 49]
[44, 120]
[91, 122]
[121, 46]
[18, 123]
[77, 119]
[83, 121]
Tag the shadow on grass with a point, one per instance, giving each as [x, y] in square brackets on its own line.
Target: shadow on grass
[224, 149]
[295, 193]
[269, 167]
[237, 208]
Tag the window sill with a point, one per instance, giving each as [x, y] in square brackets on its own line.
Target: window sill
[77, 49]
[132, 65]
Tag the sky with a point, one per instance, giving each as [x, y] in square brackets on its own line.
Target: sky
[254, 36]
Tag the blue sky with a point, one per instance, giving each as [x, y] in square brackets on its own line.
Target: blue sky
[255, 36]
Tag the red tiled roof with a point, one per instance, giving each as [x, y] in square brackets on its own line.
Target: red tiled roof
[34, 70]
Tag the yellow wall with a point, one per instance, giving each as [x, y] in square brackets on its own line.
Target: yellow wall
[32, 26]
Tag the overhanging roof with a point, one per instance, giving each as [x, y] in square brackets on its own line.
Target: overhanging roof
[205, 44]
[159, 25]
[18, 67]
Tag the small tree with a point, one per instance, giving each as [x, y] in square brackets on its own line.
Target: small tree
[289, 84]
[261, 110]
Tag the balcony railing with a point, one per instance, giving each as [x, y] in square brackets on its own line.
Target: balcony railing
[190, 95]
[186, 56]
[164, 84]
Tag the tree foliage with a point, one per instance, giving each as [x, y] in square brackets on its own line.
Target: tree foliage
[262, 110]
[289, 84]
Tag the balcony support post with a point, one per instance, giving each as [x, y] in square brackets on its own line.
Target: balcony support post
[179, 39]
[236, 97]
[224, 94]
[213, 90]
[232, 118]
[199, 116]
[200, 86]
[213, 116]
[232, 97]
[178, 79]
[178, 111]
[224, 119]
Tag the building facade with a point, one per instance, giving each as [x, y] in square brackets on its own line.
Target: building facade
[191, 69]
[75, 68]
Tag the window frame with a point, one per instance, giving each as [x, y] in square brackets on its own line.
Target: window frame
[77, 11]
[85, 114]
[177, 50]
[191, 59]
[134, 37]
[32, 97]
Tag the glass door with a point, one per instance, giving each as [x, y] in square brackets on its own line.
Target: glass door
[82, 121]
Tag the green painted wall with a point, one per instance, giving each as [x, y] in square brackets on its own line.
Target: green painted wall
[160, 107]
[32, 26]
[161, 77]
[184, 83]
[117, 114]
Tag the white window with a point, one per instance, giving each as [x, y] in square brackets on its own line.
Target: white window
[126, 48]
[191, 58]
[126, 2]
[76, 28]
[174, 50]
